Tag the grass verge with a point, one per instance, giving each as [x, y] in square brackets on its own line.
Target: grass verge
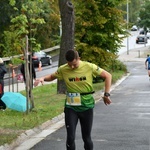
[48, 104]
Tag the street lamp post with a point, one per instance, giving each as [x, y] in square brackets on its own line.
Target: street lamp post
[127, 27]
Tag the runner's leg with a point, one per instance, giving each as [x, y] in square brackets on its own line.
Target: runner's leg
[86, 121]
[149, 73]
[71, 120]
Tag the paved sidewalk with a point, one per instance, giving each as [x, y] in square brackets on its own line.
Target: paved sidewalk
[138, 54]
[33, 136]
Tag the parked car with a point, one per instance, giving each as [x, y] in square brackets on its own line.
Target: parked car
[41, 57]
[141, 39]
[134, 28]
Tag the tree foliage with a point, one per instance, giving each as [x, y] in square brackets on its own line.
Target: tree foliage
[50, 31]
[98, 28]
[23, 23]
[29, 17]
[145, 15]
[133, 11]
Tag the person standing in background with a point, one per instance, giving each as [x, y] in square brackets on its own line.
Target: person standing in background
[22, 70]
[3, 71]
[147, 65]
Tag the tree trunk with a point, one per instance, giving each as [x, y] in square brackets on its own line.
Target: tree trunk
[29, 78]
[27, 74]
[67, 39]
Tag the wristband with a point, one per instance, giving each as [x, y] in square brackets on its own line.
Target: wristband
[106, 94]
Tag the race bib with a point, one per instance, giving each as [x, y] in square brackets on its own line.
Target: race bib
[73, 99]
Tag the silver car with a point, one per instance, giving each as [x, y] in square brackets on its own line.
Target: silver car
[141, 39]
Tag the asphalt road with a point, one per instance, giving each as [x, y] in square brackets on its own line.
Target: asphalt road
[124, 125]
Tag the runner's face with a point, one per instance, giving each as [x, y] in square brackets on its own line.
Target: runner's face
[74, 64]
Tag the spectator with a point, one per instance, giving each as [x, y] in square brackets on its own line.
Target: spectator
[22, 70]
[3, 70]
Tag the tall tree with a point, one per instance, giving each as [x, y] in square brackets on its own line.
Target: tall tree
[23, 24]
[6, 12]
[67, 39]
[49, 32]
[29, 16]
[98, 28]
[144, 15]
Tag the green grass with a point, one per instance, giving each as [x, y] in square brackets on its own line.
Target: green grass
[48, 104]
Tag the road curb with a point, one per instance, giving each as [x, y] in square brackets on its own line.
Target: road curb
[31, 133]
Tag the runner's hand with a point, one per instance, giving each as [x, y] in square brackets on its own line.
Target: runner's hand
[106, 100]
[37, 81]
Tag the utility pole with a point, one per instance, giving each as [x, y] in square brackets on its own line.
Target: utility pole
[127, 27]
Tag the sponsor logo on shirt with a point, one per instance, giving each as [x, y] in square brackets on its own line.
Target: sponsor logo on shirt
[76, 79]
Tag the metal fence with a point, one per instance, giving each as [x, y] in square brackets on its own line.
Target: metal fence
[45, 50]
[13, 72]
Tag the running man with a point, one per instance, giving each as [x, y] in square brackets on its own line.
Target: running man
[147, 65]
[79, 103]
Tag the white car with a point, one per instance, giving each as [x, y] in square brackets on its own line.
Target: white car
[134, 28]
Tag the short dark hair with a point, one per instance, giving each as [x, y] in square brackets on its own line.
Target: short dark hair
[71, 55]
